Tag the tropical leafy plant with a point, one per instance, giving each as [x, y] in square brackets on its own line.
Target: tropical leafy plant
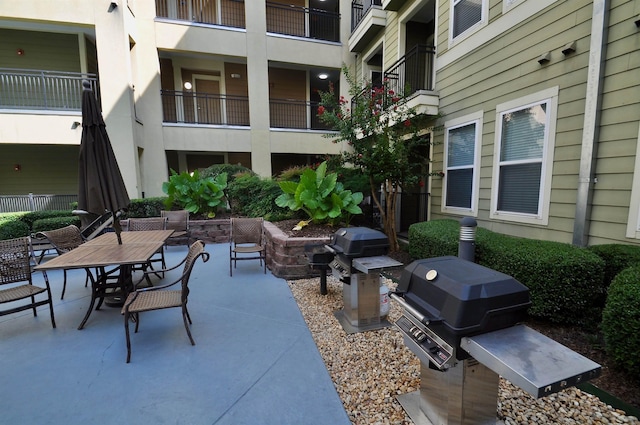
[195, 194]
[320, 196]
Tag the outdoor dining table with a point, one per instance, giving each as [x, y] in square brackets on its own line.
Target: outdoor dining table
[136, 248]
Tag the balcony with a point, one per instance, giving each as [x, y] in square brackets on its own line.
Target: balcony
[295, 114]
[204, 108]
[42, 90]
[227, 13]
[412, 75]
[368, 19]
[303, 22]
[392, 5]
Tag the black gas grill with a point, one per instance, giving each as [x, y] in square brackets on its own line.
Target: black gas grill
[447, 298]
[462, 321]
[356, 256]
[351, 243]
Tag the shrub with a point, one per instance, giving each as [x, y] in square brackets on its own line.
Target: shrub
[435, 238]
[253, 196]
[617, 258]
[146, 207]
[621, 320]
[52, 223]
[194, 194]
[31, 217]
[565, 282]
[10, 229]
[232, 171]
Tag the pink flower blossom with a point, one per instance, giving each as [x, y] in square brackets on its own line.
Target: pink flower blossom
[407, 123]
[320, 110]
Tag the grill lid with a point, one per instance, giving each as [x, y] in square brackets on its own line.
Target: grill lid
[462, 297]
[359, 242]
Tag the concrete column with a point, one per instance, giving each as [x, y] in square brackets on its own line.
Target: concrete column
[258, 77]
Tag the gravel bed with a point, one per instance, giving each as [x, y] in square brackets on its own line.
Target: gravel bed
[370, 368]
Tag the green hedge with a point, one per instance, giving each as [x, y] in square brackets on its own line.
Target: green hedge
[53, 223]
[616, 257]
[565, 282]
[146, 207]
[621, 320]
[253, 196]
[11, 229]
[31, 217]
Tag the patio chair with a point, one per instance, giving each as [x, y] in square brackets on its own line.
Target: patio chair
[149, 223]
[159, 297]
[64, 240]
[247, 242]
[16, 262]
[178, 221]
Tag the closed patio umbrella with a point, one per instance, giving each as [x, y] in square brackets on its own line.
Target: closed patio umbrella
[101, 187]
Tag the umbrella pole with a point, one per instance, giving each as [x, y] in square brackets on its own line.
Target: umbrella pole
[117, 227]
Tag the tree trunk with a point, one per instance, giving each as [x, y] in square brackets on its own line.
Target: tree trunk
[388, 214]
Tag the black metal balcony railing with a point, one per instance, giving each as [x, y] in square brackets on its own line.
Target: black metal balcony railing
[228, 13]
[303, 22]
[297, 114]
[359, 9]
[412, 72]
[204, 108]
[43, 90]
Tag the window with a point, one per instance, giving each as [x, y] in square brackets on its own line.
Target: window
[523, 159]
[462, 141]
[466, 14]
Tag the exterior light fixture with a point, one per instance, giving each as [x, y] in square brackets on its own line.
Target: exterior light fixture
[75, 125]
[188, 85]
[17, 167]
[323, 76]
[112, 6]
[235, 76]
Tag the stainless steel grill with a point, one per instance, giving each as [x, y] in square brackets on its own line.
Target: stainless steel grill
[356, 257]
[462, 321]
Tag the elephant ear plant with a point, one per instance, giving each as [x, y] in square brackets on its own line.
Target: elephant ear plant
[195, 194]
[320, 196]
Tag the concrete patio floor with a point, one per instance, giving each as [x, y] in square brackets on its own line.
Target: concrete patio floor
[254, 362]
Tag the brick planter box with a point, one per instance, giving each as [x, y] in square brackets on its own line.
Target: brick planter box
[285, 255]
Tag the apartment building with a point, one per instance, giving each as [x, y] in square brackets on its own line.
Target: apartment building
[182, 84]
[538, 101]
[538, 105]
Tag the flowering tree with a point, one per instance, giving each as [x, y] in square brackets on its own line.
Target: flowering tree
[385, 138]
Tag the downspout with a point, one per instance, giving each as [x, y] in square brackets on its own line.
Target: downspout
[591, 125]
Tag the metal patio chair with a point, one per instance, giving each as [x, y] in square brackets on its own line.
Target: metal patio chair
[178, 221]
[159, 297]
[247, 242]
[150, 223]
[16, 279]
[64, 240]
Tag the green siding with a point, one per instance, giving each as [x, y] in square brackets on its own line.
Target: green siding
[45, 169]
[42, 50]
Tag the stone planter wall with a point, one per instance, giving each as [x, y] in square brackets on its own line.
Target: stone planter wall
[285, 255]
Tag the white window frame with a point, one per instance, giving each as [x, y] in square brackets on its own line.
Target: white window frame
[477, 120]
[633, 222]
[550, 97]
[472, 29]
